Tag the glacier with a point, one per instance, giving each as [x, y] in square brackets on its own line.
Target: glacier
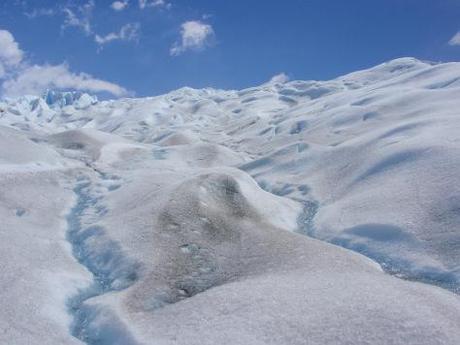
[320, 212]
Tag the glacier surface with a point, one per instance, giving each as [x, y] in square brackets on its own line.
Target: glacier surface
[319, 212]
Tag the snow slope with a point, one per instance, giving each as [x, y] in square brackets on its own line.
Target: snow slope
[236, 217]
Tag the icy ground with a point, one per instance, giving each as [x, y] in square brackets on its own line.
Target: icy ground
[299, 213]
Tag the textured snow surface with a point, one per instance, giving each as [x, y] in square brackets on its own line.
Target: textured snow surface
[303, 212]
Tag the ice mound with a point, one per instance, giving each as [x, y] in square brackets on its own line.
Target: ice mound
[90, 144]
[223, 269]
[18, 148]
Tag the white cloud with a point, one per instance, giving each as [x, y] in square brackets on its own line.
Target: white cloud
[128, 32]
[34, 80]
[79, 17]
[41, 12]
[279, 78]
[19, 78]
[10, 53]
[195, 35]
[119, 5]
[455, 41]
[153, 3]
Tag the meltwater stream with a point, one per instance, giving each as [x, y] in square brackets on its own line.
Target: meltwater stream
[111, 271]
[391, 264]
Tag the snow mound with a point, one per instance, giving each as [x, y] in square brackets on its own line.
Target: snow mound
[87, 142]
[18, 148]
[225, 267]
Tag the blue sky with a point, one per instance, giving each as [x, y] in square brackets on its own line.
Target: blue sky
[148, 47]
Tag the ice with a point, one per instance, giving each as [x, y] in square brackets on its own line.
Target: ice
[319, 212]
[61, 99]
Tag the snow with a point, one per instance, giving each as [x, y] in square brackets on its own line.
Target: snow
[324, 212]
[38, 272]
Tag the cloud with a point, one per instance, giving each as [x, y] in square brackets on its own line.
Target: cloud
[455, 41]
[280, 78]
[119, 5]
[79, 17]
[18, 77]
[40, 12]
[195, 35]
[128, 32]
[153, 3]
[10, 53]
[34, 80]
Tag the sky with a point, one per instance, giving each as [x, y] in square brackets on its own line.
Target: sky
[149, 47]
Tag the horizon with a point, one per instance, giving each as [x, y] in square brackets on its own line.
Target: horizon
[273, 81]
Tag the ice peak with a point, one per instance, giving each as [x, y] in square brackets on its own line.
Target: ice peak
[59, 99]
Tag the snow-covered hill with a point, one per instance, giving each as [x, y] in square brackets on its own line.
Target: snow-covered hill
[194, 217]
